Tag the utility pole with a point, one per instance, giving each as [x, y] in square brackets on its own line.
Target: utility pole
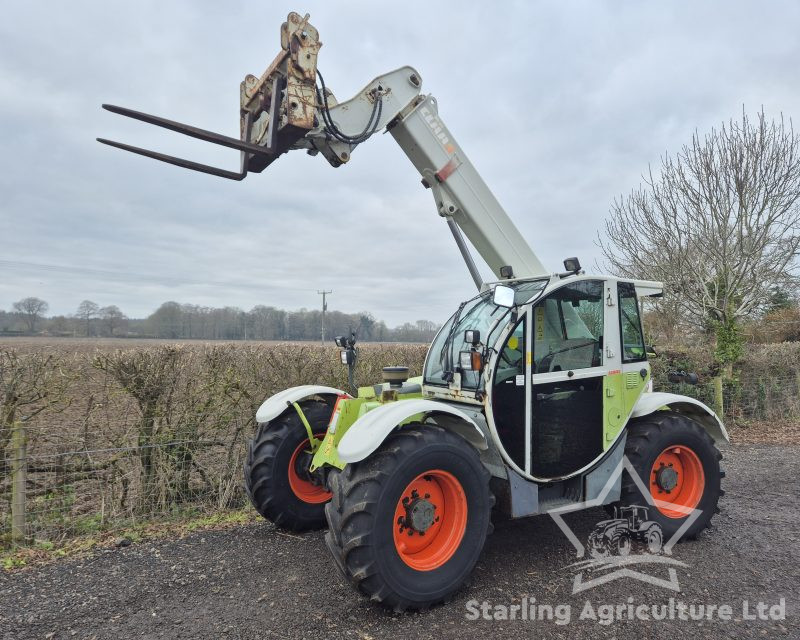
[324, 295]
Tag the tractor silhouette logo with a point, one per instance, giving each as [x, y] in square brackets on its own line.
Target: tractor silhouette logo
[628, 528]
[619, 546]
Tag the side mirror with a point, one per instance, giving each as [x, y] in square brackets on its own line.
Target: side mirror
[650, 351]
[472, 336]
[503, 296]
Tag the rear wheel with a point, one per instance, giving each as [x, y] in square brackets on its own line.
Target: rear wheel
[276, 475]
[406, 525]
[678, 465]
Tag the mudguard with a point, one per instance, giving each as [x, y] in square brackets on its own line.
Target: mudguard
[275, 405]
[691, 408]
[370, 430]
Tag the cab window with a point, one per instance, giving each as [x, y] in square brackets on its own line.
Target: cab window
[630, 324]
[508, 401]
[511, 361]
[568, 328]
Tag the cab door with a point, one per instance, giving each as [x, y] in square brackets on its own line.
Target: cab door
[570, 360]
[511, 392]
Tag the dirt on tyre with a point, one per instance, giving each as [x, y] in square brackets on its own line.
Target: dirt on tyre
[679, 466]
[407, 525]
[276, 476]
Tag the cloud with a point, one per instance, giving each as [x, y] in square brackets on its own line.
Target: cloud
[560, 106]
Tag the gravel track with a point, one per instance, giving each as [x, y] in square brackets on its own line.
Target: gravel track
[256, 582]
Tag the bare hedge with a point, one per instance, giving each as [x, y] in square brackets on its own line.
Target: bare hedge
[116, 435]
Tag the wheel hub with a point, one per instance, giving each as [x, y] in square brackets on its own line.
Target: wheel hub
[301, 467]
[430, 520]
[667, 478]
[420, 513]
[677, 481]
[306, 485]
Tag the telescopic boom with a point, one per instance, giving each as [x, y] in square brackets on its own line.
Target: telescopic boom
[286, 109]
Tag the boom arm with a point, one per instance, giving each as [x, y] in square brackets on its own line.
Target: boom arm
[284, 110]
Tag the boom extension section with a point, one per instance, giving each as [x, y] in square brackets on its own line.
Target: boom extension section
[286, 109]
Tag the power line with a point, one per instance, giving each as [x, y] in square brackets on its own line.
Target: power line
[324, 293]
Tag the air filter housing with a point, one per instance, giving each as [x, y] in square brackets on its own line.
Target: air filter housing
[395, 376]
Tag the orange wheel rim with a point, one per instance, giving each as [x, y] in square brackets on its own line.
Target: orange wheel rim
[677, 478]
[304, 489]
[430, 520]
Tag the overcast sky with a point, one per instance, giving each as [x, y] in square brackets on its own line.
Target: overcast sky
[560, 105]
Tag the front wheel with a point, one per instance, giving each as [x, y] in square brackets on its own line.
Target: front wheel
[406, 525]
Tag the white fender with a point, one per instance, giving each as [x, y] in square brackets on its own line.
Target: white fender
[691, 408]
[367, 433]
[275, 405]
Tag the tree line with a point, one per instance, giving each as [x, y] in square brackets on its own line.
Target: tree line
[175, 321]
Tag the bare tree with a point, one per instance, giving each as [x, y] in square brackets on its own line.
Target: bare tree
[112, 317]
[31, 310]
[87, 310]
[149, 376]
[720, 225]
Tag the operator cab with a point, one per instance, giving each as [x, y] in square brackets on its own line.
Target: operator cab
[559, 369]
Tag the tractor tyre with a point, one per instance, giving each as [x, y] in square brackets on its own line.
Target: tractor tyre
[276, 475]
[407, 524]
[679, 466]
[653, 539]
[620, 544]
[598, 547]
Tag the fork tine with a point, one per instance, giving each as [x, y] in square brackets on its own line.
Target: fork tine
[189, 130]
[180, 162]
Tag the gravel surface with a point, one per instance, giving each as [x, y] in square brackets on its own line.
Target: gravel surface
[256, 582]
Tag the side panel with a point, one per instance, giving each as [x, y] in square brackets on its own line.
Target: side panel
[613, 406]
[599, 486]
[614, 413]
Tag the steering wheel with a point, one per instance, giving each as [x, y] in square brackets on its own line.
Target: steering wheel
[504, 357]
[550, 357]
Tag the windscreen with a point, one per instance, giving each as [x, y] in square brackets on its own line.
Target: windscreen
[479, 313]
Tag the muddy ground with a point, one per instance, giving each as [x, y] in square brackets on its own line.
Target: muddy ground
[256, 582]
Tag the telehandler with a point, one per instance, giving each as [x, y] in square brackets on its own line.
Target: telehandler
[531, 393]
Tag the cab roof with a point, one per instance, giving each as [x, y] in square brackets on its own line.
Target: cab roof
[644, 288]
